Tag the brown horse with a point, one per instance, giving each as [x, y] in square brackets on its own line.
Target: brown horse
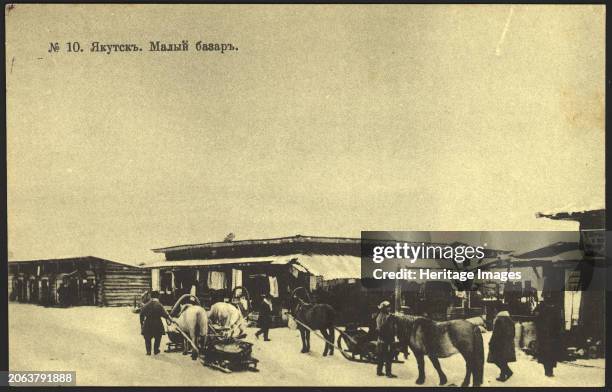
[441, 340]
[316, 317]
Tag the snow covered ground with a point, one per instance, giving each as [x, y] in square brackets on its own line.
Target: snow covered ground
[104, 347]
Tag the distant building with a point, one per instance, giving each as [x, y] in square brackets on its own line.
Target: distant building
[585, 285]
[76, 281]
[592, 224]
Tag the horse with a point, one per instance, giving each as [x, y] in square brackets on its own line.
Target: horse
[184, 299]
[316, 317]
[230, 318]
[441, 340]
[193, 321]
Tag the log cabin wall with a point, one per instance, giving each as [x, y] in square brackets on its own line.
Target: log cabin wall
[100, 272]
[116, 284]
[120, 284]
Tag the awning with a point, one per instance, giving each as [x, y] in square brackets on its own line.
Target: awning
[349, 267]
[556, 251]
[571, 256]
[332, 266]
[245, 261]
[560, 251]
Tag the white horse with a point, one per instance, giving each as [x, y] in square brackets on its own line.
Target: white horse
[229, 318]
[193, 321]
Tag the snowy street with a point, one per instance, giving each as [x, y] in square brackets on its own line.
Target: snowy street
[105, 348]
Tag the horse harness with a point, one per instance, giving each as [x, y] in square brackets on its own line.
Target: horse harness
[301, 304]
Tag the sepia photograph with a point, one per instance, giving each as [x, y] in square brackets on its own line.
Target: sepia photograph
[313, 195]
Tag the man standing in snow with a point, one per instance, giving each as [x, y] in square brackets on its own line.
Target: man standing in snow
[265, 318]
[385, 331]
[549, 326]
[151, 324]
[501, 345]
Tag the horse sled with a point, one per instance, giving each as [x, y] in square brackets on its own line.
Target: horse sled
[224, 354]
[357, 345]
[229, 355]
[220, 351]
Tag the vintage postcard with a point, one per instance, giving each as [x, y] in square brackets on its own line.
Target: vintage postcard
[306, 195]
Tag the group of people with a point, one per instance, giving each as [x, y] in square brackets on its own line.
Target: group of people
[68, 294]
[152, 327]
[548, 326]
[501, 345]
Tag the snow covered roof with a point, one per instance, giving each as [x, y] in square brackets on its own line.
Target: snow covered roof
[572, 209]
[327, 266]
[76, 259]
[553, 253]
[332, 266]
[264, 241]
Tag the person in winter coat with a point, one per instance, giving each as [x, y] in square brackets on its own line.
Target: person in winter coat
[501, 345]
[151, 326]
[549, 326]
[61, 295]
[265, 318]
[385, 330]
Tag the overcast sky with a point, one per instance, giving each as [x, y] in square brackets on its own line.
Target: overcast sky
[328, 120]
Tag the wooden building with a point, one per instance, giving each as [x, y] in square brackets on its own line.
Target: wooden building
[587, 288]
[555, 267]
[215, 271]
[573, 272]
[75, 281]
